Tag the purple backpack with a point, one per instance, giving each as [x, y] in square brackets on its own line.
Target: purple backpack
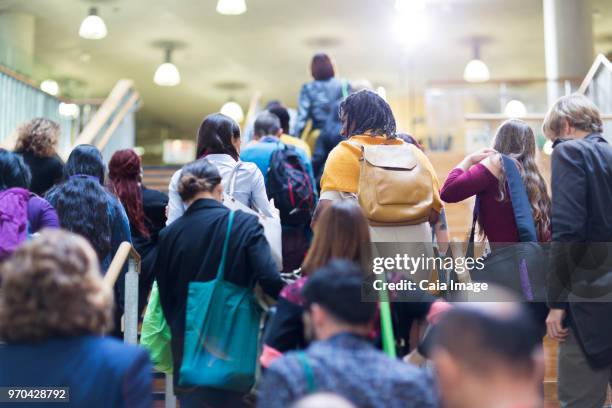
[13, 219]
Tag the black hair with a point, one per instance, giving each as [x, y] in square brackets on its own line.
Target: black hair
[336, 287]
[365, 112]
[82, 207]
[13, 171]
[215, 135]
[481, 338]
[198, 176]
[266, 124]
[409, 139]
[283, 115]
[87, 160]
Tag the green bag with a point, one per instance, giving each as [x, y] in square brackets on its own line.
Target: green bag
[155, 334]
[221, 332]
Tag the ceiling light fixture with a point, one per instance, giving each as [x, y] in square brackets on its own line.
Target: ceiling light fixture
[93, 27]
[231, 7]
[167, 74]
[476, 70]
[515, 109]
[49, 86]
[232, 109]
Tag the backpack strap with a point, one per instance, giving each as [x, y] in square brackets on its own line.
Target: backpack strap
[308, 373]
[345, 88]
[221, 269]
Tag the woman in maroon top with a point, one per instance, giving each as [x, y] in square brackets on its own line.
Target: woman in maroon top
[481, 174]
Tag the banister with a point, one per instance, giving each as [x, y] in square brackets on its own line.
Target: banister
[118, 118]
[600, 61]
[252, 111]
[121, 256]
[110, 105]
[9, 142]
[126, 252]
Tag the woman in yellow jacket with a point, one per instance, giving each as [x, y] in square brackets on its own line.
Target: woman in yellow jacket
[368, 120]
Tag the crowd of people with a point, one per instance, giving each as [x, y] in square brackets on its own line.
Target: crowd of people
[246, 319]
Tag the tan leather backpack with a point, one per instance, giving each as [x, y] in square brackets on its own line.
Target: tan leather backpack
[395, 188]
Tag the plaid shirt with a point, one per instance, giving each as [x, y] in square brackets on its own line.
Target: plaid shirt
[349, 366]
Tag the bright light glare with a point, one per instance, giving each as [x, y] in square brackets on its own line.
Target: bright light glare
[548, 147]
[409, 6]
[382, 92]
[231, 7]
[49, 86]
[515, 109]
[233, 110]
[68, 110]
[412, 28]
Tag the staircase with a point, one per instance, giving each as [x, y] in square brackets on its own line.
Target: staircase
[107, 124]
[158, 177]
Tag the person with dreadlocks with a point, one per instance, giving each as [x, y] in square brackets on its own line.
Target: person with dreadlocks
[145, 208]
[367, 120]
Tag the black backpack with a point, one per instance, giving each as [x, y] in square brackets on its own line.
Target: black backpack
[290, 186]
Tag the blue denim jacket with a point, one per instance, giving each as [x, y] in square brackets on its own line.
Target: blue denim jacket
[316, 102]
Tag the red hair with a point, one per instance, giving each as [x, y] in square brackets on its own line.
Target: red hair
[322, 67]
[124, 175]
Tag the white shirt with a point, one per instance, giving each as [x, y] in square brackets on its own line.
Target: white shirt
[249, 189]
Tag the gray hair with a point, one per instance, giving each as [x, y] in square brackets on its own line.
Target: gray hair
[266, 124]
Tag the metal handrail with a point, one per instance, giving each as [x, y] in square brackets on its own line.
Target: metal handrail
[127, 253]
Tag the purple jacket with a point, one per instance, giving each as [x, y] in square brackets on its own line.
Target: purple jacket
[41, 214]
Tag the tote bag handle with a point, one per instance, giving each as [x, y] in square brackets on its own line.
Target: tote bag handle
[520, 205]
[221, 269]
[232, 180]
[520, 202]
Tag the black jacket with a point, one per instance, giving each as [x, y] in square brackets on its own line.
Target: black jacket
[154, 205]
[582, 241]
[46, 172]
[189, 250]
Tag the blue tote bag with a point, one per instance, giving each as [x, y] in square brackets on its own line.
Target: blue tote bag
[520, 267]
[221, 332]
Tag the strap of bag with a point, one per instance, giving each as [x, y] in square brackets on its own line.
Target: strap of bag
[386, 322]
[345, 88]
[520, 206]
[221, 269]
[520, 202]
[232, 180]
[308, 374]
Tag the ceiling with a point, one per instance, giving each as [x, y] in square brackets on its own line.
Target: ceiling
[268, 49]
